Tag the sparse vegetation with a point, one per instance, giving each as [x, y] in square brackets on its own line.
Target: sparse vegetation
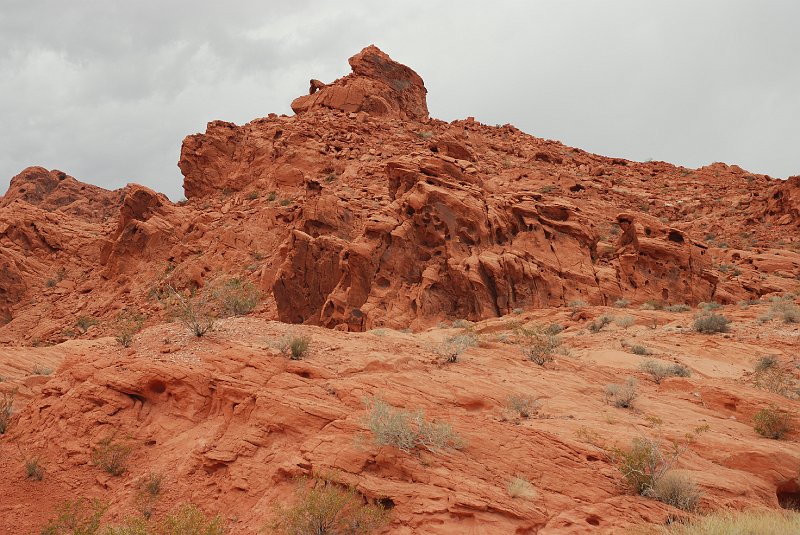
[190, 520]
[408, 431]
[455, 345]
[622, 303]
[772, 423]
[6, 410]
[523, 405]
[461, 324]
[577, 303]
[76, 517]
[660, 370]
[621, 395]
[625, 321]
[195, 311]
[644, 463]
[84, 323]
[128, 324]
[786, 310]
[678, 308]
[111, 456]
[294, 346]
[726, 522]
[597, 325]
[765, 363]
[676, 489]
[637, 349]
[325, 507]
[708, 307]
[711, 323]
[652, 304]
[538, 344]
[237, 297]
[41, 370]
[520, 487]
[33, 470]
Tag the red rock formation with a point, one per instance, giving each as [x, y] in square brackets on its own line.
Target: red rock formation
[378, 86]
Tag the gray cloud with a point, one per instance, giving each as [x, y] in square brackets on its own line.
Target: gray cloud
[106, 91]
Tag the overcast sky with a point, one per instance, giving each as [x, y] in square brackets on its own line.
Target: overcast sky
[106, 90]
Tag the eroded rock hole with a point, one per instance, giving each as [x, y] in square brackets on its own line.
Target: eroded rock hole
[675, 236]
[157, 386]
[788, 494]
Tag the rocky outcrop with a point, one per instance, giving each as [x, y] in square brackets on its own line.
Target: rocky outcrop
[56, 191]
[378, 85]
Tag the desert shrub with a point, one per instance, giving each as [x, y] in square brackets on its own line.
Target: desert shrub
[33, 470]
[523, 405]
[711, 323]
[196, 311]
[778, 381]
[190, 520]
[678, 308]
[644, 463]
[765, 363]
[597, 325]
[625, 321]
[538, 345]
[660, 370]
[455, 345]
[637, 349]
[294, 346]
[621, 395]
[408, 430]
[461, 324]
[84, 323]
[324, 507]
[771, 423]
[127, 325]
[675, 489]
[577, 303]
[554, 328]
[785, 310]
[41, 370]
[148, 490]
[76, 517]
[621, 303]
[6, 410]
[111, 456]
[708, 307]
[520, 487]
[237, 297]
[652, 304]
[727, 522]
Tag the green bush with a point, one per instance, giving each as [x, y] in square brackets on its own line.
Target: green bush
[84, 323]
[408, 431]
[188, 519]
[711, 323]
[621, 395]
[294, 346]
[324, 507]
[127, 325]
[771, 423]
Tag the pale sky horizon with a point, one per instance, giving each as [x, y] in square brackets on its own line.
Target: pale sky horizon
[106, 91]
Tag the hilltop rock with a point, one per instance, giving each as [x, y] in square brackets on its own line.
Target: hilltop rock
[378, 85]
